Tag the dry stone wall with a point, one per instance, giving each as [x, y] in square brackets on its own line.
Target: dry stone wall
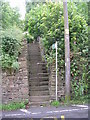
[52, 78]
[52, 84]
[15, 87]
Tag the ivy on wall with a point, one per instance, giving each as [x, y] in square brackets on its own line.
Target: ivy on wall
[47, 21]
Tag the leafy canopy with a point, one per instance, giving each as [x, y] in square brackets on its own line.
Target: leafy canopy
[47, 20]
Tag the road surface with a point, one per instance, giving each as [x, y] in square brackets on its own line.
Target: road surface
[74, 111]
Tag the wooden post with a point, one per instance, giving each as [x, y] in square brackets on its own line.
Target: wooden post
[67, 52]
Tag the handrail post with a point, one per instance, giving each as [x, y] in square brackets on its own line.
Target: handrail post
[56, 69]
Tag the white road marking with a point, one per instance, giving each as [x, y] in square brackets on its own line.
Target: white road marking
[49, 112]
[36, 113]
[11, 115]
[80, 106]
[49, 117]
[56, 111]
[84, 108]
[25, 111]
[66, 110]
[72, 110]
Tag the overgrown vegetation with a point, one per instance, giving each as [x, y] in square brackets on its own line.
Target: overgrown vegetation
[10, 16]
[79, 100]
[14, 106]
[11, 47]
[55, 103]
[10, 37]
[47, 21]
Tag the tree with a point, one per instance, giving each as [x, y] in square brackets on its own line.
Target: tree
[47, 21]
[67, 53]
[30, 5]
[10, 16]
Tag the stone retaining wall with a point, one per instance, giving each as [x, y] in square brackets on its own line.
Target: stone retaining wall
[52, 84]
[52, 78]
[15, 87]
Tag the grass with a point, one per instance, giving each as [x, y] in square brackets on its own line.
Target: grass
[55, 103]
[13, 106]
[79, 100]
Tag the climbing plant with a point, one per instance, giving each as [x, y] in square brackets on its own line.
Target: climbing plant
[10, 36]
[11, 47]
[47, 21]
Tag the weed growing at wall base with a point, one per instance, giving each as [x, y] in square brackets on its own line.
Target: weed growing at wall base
[13, 106]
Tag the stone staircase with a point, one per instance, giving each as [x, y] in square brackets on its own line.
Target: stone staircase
[38, 77]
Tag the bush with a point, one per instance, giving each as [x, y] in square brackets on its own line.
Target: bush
[13, 106]
[55, 103]
[29, 38]
[11, 47]
[15, 65]
[47, 21]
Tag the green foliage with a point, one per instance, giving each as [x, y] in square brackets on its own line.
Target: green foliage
[47, 21]
[7, 61]
[29, 38]
[10, 16]
[55, 103]
[11, 47]
[30, 5]
[15, 65]
[80, 87]
[12, 32]
[82, 8]
[10, 37]
[13, 106]
[84, 99]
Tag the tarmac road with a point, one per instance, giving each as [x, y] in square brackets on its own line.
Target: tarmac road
[79, 111]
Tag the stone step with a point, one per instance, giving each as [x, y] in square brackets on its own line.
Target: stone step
[39, 87]
[44, 87]
[32, 45]
[38, 74]
[39, 98]
[36, 83]
[35, 75]
[39, 93]
[34, 49]
[39, 78]
[34, 72]
[35, 104]
[42, 73]
[45, 71]
[44, 78]
[36, 67]
[35, 55]
[37, 70]
[44, 68]
[42, 63]
[38, 59]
